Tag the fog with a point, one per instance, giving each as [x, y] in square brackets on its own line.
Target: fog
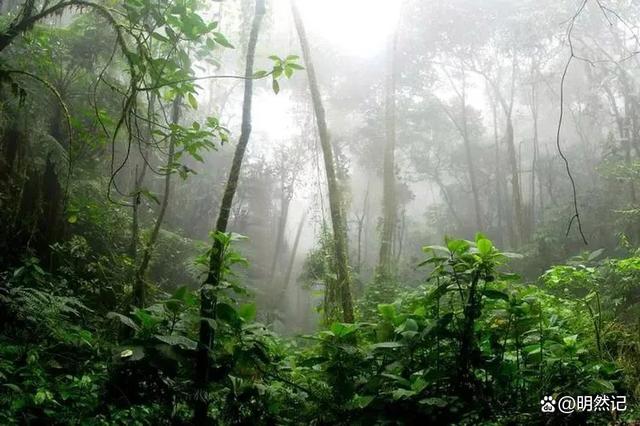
[476, 54]
[192, 171]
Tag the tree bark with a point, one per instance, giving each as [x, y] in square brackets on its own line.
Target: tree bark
[207, 298]
[343, 282]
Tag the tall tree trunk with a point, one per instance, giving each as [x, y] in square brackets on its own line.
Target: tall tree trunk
[343, 282]
[534, 161]
[388, 181]
[207, 298]
[139, 285]
[401, 232]
[518, 222]
[496, 142]
[360, 219]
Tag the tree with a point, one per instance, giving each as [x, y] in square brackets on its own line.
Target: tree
[389, 182]
[214, 275]
[342, 286]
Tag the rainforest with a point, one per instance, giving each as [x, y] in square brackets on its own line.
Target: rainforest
[306, 212]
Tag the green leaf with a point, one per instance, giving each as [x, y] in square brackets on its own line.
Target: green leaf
[13, 387]
[386, 345]
[222, 40]
[226, 313]
[276, 86]
[192, 101]
[260, 74]
[72, 219]
[247, 312]
[361, 401]
[485, 246]
[457, 246]
[598, 386]
[160, 37]
[402, 394]
[124, 320]
[343, 329]
[388, 311]
[182, 341]
[495, 294]
[595, 254]
[401, 380]
[435, 401]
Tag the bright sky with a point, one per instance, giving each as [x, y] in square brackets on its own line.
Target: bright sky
[359, 27]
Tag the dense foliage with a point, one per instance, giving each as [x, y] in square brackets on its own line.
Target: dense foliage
[472, 345]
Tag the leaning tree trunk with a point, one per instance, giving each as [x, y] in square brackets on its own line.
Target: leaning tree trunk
[343, 282]
[139, 287]
[214, 275]
[389, 182]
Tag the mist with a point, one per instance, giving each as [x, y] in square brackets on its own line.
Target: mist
[319, 212]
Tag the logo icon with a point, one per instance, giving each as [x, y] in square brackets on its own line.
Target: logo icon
[548, 404]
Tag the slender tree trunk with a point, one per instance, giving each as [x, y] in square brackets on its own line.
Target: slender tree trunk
[389, 181]
[496, 142]
[360, 220]
[292, 258]
[139, 285]
[401, 232]
[207, 297]
[285, 201]
[518, 223]
[534, 162]
[343, 282]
